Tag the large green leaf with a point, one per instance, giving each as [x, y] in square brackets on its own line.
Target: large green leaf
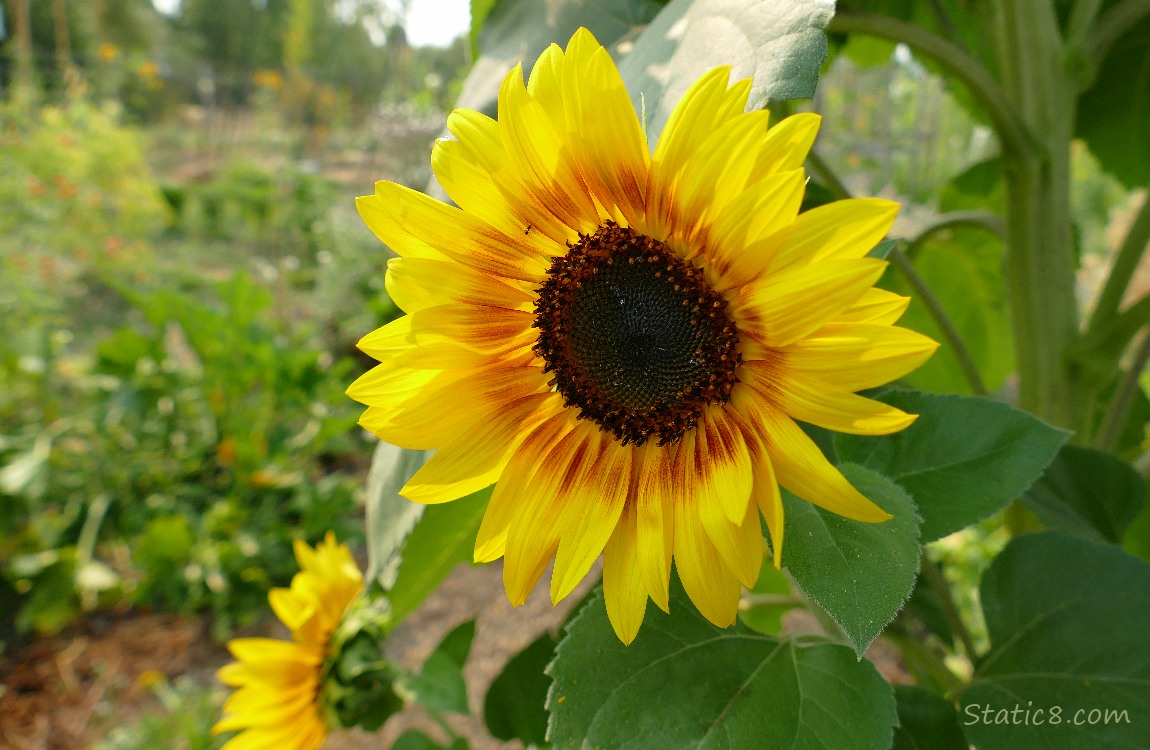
[778, 43]
[1113, 112]
[684, 683]
[444, 538]
[963, 459]
[390, 516]
[1067, 620]
[440, 685]
[515, 706]
[963, 269]
[519, 30]
[926, 721]
[1088, 492]
[860, 573]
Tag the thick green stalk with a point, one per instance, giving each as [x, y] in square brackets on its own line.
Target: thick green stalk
[1040, 258]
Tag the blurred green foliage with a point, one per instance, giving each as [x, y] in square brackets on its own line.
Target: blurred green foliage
[173, 407]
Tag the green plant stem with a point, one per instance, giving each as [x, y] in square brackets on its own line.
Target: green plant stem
[933, 670]
[828, 176]
[1129, 255]
[983, 220]
[1011, 129]
[1119, 409]
[1039, 265]
[1111, 338]
[1113, 24]
[934, 578]
[949, 332]
[1082, 17]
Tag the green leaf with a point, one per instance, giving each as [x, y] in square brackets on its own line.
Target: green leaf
[390, 516]
[1113, 112]
[1089, 493]
[882, 249]
[963, 268]
[684, 683]
[860, 573]
[413, 739]
[1068, 633]
[480, 10]
[963, 459]
[927, 721]
[519, 30]
[440, 685]
[443, 539]
[779, 44]
[515, 706]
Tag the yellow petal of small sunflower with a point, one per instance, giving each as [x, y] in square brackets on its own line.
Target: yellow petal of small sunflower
[660, 322]
[278, 700]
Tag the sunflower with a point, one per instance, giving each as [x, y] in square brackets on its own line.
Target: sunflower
[622, 341]
[279, 698]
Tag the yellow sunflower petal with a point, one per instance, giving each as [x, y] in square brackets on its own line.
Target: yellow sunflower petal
[709, 583]
[623, 589]
[802, 468]
[610, 145]
[593, 496]
[792, 304]
[877, 306]
[419, 283]
[717, 172]
[824, 405]
[409, 214]
[654, 521]
[786, 146]
[375, 215]
[842, 230]
[475, 460]
[455, 335]
[540, 157]
[515, 487]
[768, 497]
[706, 106]
[856, 356]
[533, 536]
[481, 168]
[744, 236]
[435, 416]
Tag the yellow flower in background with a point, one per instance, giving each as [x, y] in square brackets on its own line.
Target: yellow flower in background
[623, 341]
[279, 700]
[108, 52]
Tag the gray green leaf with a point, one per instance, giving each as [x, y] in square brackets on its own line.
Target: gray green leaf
[860, 573]
[1069, 636]
[963, 459]
[684, 683]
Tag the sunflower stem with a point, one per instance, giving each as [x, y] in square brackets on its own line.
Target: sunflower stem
[934, 578]
[1119, 409]
[1039, 265]
[945, 326]
[1129, 255]
[927, 667]
[828, 176]
[984, 220]
[1113, 24]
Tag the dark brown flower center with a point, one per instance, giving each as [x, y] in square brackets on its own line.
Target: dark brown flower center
[636, 337]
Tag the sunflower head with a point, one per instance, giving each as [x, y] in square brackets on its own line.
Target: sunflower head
[624, 340]
[279, 698]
